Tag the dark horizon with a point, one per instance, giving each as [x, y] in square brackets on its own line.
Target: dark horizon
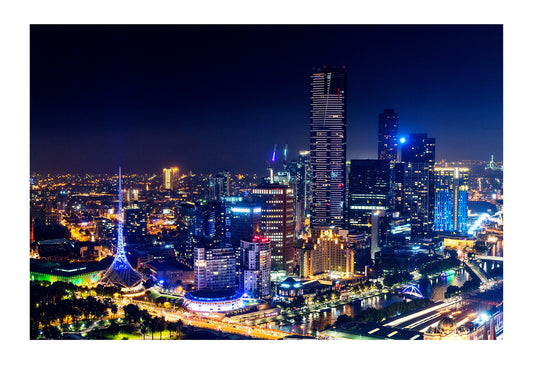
[212, 97]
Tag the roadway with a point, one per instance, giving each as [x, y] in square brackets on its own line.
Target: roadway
[489, 257]
[213, 323]
[416, 319]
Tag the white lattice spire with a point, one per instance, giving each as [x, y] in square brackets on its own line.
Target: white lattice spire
[120, 272]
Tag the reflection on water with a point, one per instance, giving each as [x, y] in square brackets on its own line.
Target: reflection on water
[433, 288]
[310, 323]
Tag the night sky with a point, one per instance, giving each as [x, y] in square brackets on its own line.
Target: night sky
[207, 98]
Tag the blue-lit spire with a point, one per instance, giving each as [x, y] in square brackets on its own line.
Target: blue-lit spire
[120, 272]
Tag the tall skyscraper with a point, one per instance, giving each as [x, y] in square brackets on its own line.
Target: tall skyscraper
[300, 181]
[328, 146]
[451, 199]
[368, 191]
[418, 157]
[277, 223]
[256, 266]
[388, 135]
[170, 178]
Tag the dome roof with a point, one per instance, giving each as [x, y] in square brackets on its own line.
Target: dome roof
[447, 324]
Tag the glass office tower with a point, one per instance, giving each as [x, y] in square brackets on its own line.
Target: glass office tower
[418, 157]
[369, 190]
[388, 135]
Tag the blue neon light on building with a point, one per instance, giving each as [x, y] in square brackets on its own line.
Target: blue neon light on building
[451, 199]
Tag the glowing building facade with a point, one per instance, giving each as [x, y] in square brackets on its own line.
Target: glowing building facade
[328, 146]
[256, 266]
[330, 254]
[214, 269]
[451, 199]
[277, 223]
[170, 178]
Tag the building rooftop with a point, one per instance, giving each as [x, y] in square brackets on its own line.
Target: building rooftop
[215, 294]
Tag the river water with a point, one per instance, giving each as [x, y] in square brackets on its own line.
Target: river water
[434, 289]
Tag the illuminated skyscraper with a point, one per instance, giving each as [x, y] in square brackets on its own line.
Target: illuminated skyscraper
[328, 146]
[214, 268]
[388, 135]
[418, 157]
[170, 178]
[256, 266]
[451, 199]
[277, 223]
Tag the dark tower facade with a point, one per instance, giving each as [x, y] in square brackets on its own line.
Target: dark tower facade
[328, 147]
[418, 157]
[136, 224]
[300, 180]
[369, 191]
[388, 135]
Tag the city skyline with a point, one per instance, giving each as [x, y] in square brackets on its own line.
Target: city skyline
[211, 105]
[98, 156]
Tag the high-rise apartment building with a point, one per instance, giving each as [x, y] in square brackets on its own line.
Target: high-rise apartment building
[214, 268]
[388, 135]
[418, 157]
[170, 178]
[256, 266]
[451, 199]
[328, 146]
[277, 223]
[368, 191]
